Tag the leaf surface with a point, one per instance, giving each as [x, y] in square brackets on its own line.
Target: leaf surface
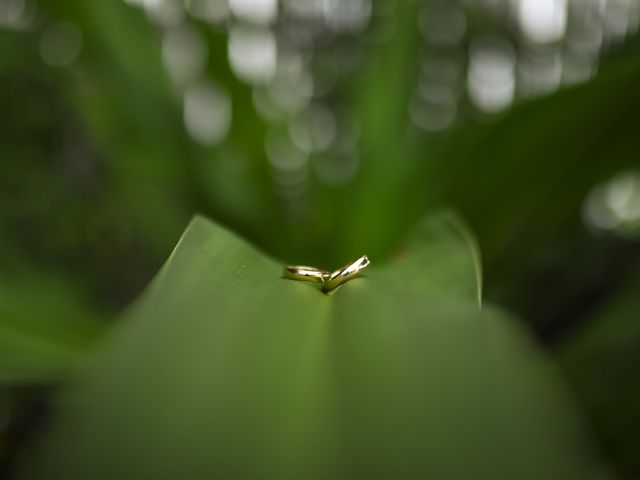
[42, 340]
[226, 370]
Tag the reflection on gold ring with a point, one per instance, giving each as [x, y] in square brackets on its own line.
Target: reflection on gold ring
[345, 273]
[306, 274]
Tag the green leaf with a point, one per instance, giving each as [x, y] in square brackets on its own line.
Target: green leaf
[45, 330]
[441, 256]
[226, 370]
[601, 363]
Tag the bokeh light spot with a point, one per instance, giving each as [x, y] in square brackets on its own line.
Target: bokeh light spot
[443, 23]
[252, 53]
[207, 113]
[15, 14]
[212, 11]
[315, 130]
[491, 77]
[184, 53]
[615, 205]
[256, 11]
[290, 164]
[60, 44]
[542, 21]
[352, 16]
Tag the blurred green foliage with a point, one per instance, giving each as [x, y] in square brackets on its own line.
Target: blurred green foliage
[98, 178]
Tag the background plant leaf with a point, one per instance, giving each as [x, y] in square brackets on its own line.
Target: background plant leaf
[601, 362]
[42, 341]
[441, 256]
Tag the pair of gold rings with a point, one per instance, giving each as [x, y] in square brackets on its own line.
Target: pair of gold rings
[329, 281]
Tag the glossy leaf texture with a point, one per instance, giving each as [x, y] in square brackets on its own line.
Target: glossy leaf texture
[224, 369]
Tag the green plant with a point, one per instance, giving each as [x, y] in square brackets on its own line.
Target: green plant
[224, 369]
[99, 176]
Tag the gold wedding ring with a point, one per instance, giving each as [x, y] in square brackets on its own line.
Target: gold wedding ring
[329, 281]
[306, 274]
[345, 274]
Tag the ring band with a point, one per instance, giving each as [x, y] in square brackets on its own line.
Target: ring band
[329, 281]
[345, 273]
[306, 274]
